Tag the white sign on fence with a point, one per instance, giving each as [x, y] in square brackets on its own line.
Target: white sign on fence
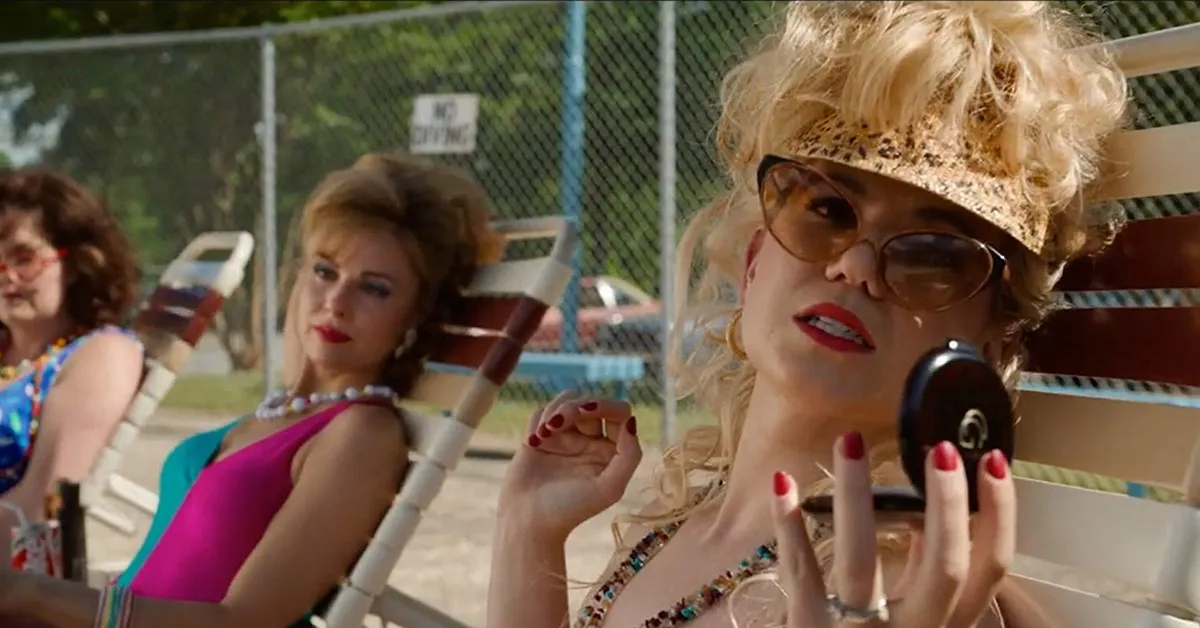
[444, 124]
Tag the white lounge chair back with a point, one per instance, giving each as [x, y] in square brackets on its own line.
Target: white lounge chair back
[188, 296]
[505, 305]
[1109, 488]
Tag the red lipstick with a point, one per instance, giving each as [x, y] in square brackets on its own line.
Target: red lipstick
[834, 327]
[332, 334]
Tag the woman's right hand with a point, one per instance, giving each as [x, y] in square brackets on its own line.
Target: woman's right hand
[579, 455]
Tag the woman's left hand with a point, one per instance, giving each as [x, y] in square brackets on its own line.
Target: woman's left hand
[950, 579]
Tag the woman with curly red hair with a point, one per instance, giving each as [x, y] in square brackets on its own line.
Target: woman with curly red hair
[67, 373]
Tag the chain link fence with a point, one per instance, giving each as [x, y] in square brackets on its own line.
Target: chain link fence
[169, 128]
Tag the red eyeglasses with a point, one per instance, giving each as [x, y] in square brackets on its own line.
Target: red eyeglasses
[923, 270]
[29, 265]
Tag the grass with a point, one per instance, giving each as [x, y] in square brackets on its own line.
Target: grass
[237, 393]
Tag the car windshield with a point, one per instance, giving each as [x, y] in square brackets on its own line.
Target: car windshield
[589, 296]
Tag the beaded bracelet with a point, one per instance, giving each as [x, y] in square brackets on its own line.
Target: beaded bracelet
[115, 607]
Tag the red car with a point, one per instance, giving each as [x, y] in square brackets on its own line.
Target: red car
[603, 300]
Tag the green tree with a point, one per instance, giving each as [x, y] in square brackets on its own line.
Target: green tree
[167, 133]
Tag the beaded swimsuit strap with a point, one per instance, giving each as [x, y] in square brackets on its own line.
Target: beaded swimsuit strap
[593, 612]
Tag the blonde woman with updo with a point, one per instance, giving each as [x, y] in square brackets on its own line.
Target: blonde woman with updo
[900, 173]
[260, 519]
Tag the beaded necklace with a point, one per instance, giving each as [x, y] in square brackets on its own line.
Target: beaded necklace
[763, 558]
[36, 393]
[10, 371]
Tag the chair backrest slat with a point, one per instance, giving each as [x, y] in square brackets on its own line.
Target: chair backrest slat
[502, 309]
[1109, 414]
[1149, 171]
[1107, 436]
[1135, 261]
[1154, 344]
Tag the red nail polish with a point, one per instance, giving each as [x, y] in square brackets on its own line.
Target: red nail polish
[631, 426]
[556, 421]
[852, 446]
[543, 431]
[782, 483]
[590, 406]
[534, 441]
[945, 456]
[997, 465]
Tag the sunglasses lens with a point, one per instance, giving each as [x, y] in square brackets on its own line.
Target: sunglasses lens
[805, 214]
[933, 271]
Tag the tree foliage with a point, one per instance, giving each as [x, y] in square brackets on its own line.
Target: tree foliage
[168, 132]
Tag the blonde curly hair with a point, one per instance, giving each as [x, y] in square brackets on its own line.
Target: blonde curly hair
[1026, 64]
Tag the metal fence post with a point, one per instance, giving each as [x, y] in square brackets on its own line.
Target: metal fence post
[269, 256]
[571, 178]
[666, 200]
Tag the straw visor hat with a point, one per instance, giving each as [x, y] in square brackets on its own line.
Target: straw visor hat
[964, 168]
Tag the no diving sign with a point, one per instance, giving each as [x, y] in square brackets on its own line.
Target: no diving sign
[444, 124]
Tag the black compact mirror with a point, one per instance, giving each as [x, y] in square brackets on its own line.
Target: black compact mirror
[952, 394]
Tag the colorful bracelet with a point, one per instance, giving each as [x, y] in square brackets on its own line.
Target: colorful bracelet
[115, 608]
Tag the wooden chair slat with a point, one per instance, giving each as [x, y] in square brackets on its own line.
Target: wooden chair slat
[1155, 162]
[1109, 437]
[441, 390]
[166, 348]
[516, 316]
[494, 357]
[541, 278]
[1075, 607]
[1150, 344]
[187, 327]
[1138, 259]
[1124, 539]
[199, 299]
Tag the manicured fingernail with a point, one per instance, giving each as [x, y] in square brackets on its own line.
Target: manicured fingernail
[852, 446]
[534, 441]
[555, 421]
[782, 483]
[997, 465]
[590, 406]
[631, 426]
[543, 431]
[945, 456]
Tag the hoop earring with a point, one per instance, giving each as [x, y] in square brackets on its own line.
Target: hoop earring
[731, 331]
[410, 337]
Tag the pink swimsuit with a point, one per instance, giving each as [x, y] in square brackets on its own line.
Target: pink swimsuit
[224, 515]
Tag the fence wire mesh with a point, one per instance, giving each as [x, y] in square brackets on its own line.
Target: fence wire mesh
[168, 134]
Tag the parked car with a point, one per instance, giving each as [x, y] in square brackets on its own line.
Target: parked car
[643, 335]
[604, 301]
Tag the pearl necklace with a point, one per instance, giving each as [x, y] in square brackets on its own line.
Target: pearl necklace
[282, 403]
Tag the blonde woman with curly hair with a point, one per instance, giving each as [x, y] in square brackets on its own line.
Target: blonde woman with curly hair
[900, 173]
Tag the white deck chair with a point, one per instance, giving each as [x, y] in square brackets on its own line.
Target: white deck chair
[508, 301]
[189, 294]
[1114, 392]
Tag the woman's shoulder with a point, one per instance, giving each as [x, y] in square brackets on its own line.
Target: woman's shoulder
[109, 342]
[110, 335]
[375, 425]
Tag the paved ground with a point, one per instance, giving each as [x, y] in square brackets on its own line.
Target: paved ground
[446, 565]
